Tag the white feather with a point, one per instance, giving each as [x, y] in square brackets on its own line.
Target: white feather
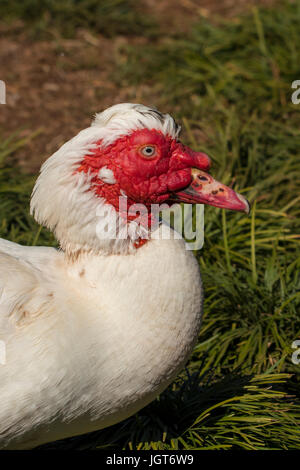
[106, 175]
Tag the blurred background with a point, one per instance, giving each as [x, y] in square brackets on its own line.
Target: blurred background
[224, 70]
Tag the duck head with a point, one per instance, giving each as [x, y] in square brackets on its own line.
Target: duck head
[130, 152]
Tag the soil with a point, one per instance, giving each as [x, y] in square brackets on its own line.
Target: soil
[54, 87]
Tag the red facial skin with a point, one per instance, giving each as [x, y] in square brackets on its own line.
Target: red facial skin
[146, 180]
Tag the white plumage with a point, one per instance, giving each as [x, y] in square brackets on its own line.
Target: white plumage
[91, 341]
[90, 338]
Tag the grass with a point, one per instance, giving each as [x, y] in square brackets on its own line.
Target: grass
[230, 85]
[15, 188]
[239, 411]
[107, 17]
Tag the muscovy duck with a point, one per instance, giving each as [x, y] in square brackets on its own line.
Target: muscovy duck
[96, 330]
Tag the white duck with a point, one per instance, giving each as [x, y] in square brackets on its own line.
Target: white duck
[96, 330]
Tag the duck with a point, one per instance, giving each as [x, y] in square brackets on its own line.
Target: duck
[96, 329]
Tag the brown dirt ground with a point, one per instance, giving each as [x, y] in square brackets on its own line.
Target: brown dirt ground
[54, 87]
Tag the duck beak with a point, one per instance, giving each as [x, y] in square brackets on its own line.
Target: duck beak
[204, 189]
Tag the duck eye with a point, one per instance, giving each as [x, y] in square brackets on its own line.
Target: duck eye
[148, 151]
